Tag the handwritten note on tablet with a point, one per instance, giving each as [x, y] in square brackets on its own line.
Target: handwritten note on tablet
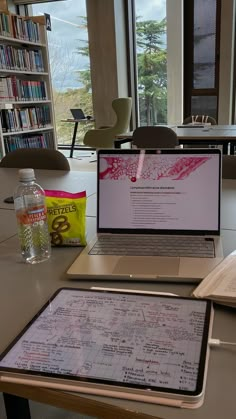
[114, 337]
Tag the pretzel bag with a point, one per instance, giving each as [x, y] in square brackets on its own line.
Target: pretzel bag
[66, 217]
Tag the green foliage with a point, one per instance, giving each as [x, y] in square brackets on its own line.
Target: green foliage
[72, 98]
[75, 98]
[152, 72]
[152, 82]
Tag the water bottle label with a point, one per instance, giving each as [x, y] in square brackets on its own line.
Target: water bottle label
[36, 215]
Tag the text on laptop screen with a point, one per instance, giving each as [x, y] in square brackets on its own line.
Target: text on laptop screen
[166, 191]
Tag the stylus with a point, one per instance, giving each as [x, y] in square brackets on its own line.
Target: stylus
[137, 291]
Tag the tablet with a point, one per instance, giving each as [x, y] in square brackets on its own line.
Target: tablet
[150, 348]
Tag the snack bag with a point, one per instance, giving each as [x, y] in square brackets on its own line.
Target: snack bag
[66, 217]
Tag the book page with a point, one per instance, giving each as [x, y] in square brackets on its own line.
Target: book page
[221, 282]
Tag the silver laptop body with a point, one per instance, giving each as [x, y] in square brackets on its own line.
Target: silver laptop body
[158, 216]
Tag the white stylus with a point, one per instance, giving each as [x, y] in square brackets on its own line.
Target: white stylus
[130, 290]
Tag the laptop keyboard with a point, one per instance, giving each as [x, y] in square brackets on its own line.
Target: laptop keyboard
[154, 246]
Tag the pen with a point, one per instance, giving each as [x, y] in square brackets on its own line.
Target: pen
[130, 290]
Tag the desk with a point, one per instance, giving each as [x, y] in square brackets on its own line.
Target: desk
[209, 135]
[76, 122]
[25, 288]
[72, 181]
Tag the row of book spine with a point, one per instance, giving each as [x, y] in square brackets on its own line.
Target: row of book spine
[42, 140]
[19, 27]
[19, 119]
[13, 58]
[15, 89]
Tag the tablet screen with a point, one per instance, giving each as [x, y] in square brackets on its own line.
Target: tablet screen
[115, 338]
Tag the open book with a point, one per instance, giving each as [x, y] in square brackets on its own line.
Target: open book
[220, 284]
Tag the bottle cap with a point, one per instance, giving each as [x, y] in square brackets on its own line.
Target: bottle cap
[26, 174]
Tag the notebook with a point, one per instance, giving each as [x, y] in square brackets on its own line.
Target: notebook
[148, 348]
[147, 198]
[77, 113]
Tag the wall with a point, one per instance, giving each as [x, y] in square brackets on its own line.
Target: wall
[174, 12]
[106, 31]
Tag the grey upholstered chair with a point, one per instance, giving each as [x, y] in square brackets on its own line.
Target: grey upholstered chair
[154, 137]
[36, 158]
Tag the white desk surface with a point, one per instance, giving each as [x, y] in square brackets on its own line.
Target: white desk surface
[220, 132]
[206, 133]
[72, 181]
[7, 224]
[25, 288]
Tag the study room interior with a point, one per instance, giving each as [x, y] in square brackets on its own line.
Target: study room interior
[132, 105]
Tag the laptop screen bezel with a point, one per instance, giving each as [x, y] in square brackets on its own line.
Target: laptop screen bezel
[214, 151]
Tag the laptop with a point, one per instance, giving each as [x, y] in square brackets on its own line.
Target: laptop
[77, 113]
[158, 216]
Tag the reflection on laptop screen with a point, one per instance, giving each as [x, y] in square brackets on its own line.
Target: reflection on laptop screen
[160, 190]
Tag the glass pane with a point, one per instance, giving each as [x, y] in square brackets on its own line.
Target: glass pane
[69, 63]
[152, 61]
[204, 44]
[204, 105]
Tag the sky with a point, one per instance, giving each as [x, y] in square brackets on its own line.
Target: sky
[67, 34]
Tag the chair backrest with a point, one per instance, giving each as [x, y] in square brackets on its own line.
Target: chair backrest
[154, 137]
[202, 119]
[122, 107]
[228, 167]
[36, 158]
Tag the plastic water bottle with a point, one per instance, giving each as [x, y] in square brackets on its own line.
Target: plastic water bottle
[31, 214]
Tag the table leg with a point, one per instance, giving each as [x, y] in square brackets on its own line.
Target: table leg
[225, 148]
[73, 139]
[16, 407]
[232, 145]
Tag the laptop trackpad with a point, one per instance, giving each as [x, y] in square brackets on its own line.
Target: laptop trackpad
[147, 265]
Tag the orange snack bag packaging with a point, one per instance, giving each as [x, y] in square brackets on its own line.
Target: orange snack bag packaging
[66, 213]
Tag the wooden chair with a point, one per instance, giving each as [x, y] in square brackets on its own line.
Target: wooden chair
[154, 137]
[36, 158]
[200, 119]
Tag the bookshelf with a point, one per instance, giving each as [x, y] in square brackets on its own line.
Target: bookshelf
[26, 106]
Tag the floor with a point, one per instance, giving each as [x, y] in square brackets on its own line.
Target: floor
[81, 161]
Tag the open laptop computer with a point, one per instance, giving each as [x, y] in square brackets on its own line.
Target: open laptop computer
[77, 113]
[147, 202]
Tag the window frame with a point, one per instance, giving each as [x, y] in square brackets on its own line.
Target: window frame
[189, 90]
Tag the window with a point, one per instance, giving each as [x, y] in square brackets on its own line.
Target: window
[201, 57]
[69, 63]
[151, 59]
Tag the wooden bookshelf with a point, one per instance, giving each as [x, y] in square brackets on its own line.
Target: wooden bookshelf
[26, 105]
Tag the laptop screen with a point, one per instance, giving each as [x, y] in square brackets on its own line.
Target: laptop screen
[171, 190]
[77, 113]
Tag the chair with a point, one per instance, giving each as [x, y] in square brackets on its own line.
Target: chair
[36, 158]
[104, 137]
[202, 119]
[228, 167]
[154, 137]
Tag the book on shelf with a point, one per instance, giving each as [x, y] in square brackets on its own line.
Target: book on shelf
[220, 284]
[20, 27]
[41, 140]
[21, 59]
[15, 89]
